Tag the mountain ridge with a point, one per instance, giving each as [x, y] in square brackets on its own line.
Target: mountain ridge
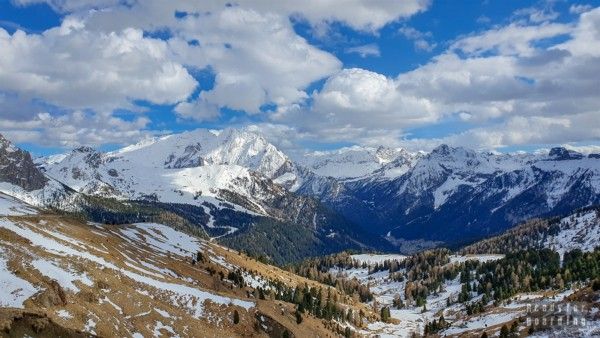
[449, 196]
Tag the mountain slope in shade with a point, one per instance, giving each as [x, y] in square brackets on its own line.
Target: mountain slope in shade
[577, 230]
[456, 194]
[22, 179]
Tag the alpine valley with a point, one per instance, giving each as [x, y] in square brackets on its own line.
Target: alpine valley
[220, 233]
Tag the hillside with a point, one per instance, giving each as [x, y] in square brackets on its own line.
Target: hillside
[75, 278]
[490, 286]
[143, 279]
[579, 230]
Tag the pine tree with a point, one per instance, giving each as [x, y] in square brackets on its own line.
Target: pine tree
[514, 327]
[298, 317]
[504, 331]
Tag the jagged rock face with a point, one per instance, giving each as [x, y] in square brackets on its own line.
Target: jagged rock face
[562, 154]
[17, 167]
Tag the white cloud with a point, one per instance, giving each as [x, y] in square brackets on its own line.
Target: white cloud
[74, 129]
[538, 15]
[198, 110]
[258, 57]
[367, 50]
[507, 89]
[64, 6]
[358, 14]
[358, 104]
[255, 54]
[420, 39]
[509, 84]
[514, 39]
[484, 20]
[71, 67]
[579, 8]
[584, 149]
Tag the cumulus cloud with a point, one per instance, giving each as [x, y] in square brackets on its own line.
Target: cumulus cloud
[257, 56]
[75, 128]
[250, 44]
[505, 86]
[358, 14]
[509, 84]
[71, 67]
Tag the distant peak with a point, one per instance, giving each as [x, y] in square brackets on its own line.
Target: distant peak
[6, 144]
[562, 154]
[84, 149]
[442, 149]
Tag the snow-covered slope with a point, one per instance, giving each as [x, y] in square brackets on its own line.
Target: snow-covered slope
[231, 183]
[355, 162]
[578, 231]
[10, 206]
[192, 167]
[136, 280]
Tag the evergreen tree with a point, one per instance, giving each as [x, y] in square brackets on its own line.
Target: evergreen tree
[236, 317]
[504, 331]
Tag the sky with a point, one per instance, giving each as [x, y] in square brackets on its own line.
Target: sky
[308, 75]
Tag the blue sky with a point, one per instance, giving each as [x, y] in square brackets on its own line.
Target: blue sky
[413, 75]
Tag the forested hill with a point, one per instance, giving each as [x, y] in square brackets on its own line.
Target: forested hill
[580, 229]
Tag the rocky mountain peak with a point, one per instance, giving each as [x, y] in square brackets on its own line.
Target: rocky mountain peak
[17, 167]
[563, 154]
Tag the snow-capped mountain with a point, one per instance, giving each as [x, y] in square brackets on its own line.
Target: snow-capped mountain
[231, 181]
[356, 162]
[452, 195]
[20, 178]
[185, 168]
[456, 194]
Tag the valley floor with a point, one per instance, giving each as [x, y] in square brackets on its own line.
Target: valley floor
[411, 320]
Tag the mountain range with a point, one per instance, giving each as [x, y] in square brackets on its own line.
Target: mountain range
[241, 190]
